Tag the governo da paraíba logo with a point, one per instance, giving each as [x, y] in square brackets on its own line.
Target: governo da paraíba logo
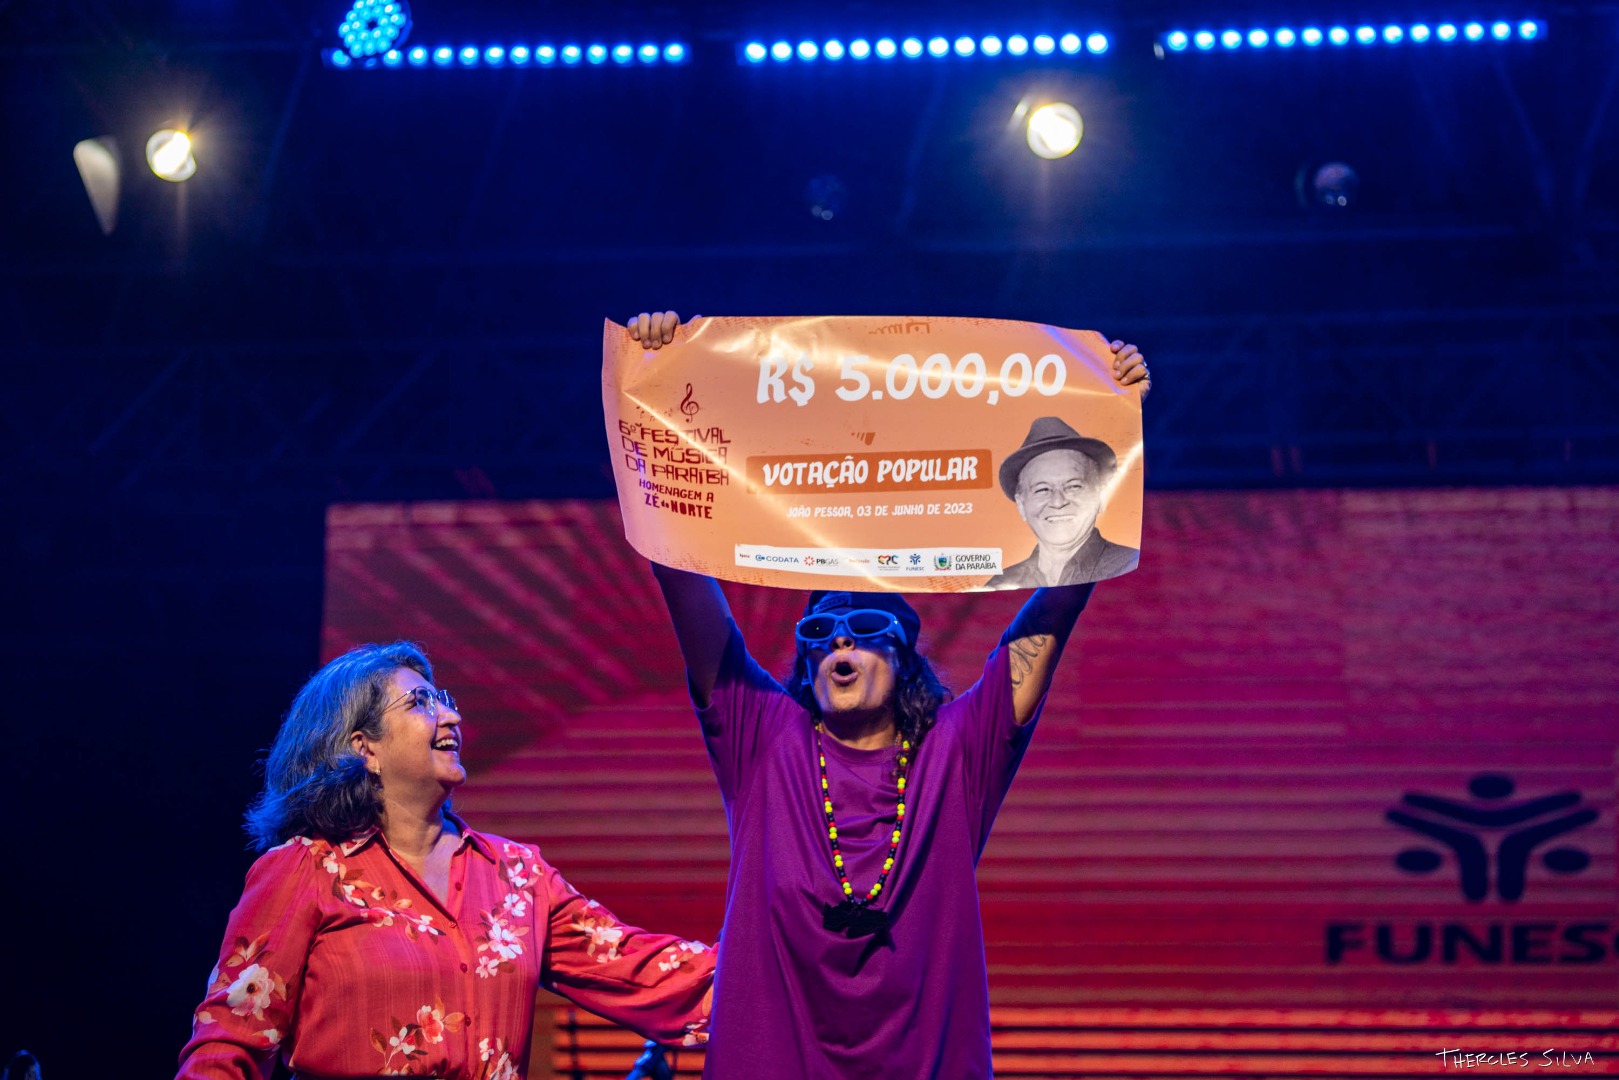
[1488, 839]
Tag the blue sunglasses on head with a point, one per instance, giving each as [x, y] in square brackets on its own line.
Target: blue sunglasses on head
[864, 625]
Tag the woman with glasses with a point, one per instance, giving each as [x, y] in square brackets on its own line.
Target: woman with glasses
[859, 797]
[379, 933]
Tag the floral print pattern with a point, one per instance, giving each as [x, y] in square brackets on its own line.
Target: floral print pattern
[335, 955]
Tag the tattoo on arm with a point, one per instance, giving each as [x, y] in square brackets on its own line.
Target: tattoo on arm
[1024, 652]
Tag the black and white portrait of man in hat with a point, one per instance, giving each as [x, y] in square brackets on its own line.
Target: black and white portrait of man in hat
[1058, 478]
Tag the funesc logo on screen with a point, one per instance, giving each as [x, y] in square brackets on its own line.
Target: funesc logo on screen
[1488, 830]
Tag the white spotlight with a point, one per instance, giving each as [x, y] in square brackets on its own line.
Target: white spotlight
[1055, 130]
[168, 152]
[97, 160]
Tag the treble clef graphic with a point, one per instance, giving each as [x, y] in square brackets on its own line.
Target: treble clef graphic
[688, 407]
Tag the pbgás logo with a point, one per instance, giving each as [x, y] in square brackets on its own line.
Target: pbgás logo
[1490, 839]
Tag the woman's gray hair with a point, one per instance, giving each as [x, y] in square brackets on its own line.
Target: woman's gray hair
[314, 783]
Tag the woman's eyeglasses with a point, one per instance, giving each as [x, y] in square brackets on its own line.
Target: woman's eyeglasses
[864, 625]
[427, 699]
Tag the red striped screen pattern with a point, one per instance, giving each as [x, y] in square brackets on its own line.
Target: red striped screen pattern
[1326, 787]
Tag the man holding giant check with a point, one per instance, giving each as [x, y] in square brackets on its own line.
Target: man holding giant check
[860, 457]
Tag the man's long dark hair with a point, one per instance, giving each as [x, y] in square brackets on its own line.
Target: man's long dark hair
[918, 693]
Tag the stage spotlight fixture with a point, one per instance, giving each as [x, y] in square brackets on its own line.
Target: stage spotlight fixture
[372, 27]
[859, 49]
[1310, 36]
[1054, 130]
[991, 45]
[1097, 44]
[886, 48]
[168, 152]
[1332, 186]
[1258, 39]
[1286, 38]
[1017, 45]
[965, 46]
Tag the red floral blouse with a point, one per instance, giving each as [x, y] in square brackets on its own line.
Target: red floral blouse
[341, 960]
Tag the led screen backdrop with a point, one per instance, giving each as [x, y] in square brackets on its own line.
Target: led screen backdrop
[1324, 750]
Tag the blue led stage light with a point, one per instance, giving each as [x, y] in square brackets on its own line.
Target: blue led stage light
[754, 52]
[965, 46]
[1097, 44]
[520, 54]
[495, 54]
[1044, 44]
[833, 50]
[990, 46]
[859, 49]
[1069, 43]
[393, 58]
[417, 56]
[1389, 34]
[781, 51]
[886, 48]
[938, 46]
[545, 54]
[808, 50]
[911, 47]
[372, 27]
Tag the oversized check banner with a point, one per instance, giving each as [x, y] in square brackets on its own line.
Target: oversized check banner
[923, 455]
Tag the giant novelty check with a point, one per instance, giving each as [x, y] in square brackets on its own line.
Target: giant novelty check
[923, 455]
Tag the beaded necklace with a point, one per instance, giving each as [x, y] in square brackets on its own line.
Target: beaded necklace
[857, 918]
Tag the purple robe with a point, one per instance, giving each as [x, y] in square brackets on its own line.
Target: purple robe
[793, 999]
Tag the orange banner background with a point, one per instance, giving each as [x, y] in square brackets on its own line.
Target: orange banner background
[853, 452]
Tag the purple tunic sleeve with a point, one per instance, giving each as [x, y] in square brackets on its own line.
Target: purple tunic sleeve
[742, 717]
[991, 743]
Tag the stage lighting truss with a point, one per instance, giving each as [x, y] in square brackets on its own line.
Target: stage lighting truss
[523, 54]
[915, 48]
[1343, 36]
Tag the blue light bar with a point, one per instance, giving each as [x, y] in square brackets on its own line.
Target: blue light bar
[1232, 39]
[1069, 43]
[622, 54]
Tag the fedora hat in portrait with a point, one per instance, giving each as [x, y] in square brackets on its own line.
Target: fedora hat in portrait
[1049, 433]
